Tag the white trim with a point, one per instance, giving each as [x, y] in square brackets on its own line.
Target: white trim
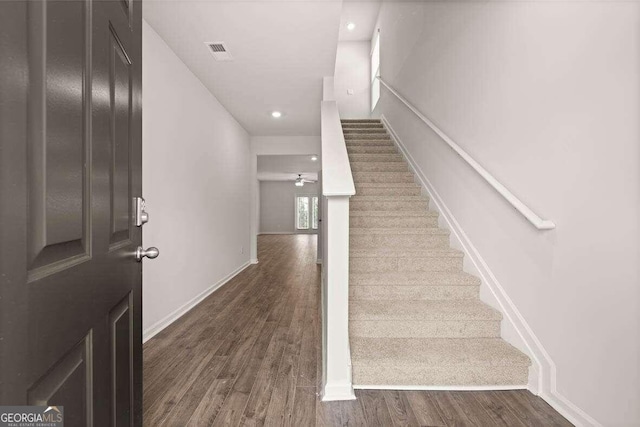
[539, 223]
[439, 387]
[254, 261]
[545, 384]
[333, 392]
[157, 327]
[336, 353]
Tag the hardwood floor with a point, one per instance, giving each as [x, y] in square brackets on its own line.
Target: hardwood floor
[249, 354]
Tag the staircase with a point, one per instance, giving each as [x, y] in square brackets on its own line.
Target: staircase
[415, 318]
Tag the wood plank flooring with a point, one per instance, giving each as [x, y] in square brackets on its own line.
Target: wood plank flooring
[250, 354]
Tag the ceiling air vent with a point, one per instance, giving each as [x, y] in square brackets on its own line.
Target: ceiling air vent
[219, 51]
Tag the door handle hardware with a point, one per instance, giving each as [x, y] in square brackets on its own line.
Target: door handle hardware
[142, 217]
[150, 253]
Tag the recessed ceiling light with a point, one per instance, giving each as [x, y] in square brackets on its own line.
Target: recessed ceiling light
[314, 158]
[276, 114]
[351, 26]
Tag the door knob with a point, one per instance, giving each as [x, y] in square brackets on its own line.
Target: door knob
[150, 253]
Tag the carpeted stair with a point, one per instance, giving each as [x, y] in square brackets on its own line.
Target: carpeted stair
[415, 318]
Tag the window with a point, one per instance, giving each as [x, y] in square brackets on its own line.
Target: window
[306, 212]
[314, 213]
[375, 71]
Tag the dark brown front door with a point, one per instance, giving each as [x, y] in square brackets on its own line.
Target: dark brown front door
[70, 168]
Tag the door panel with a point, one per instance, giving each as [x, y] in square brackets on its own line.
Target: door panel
[121, 357]
[57, 181]
[69, 381]
[70, 166]
[120, 93]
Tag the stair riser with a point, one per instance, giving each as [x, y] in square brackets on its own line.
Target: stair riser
[387, 191]
[361, 136]
[376, 158]
[383, 264]
[424, 328]
[393, 222]
[388, 205]
[441, 375]
[368, 143]
[362, 126]
[419, 279]
[349, 121]
[411, 293]
[368, 130]
[368, 149]
[399, 241]
[364, 177]
[379, 167]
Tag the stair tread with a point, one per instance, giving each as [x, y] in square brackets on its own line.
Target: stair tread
[367, 149]
[427, 310]
[366, 137]
[421, 352]
[388, 185]
[389, 198]
[404, 253]
[360, 120]
[423, 310]
[431, 278]
[418, 213]
[377, 163]
[387, 173]
[375, 158]
[412, 231]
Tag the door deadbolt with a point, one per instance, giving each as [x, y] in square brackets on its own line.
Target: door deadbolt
[142, 217]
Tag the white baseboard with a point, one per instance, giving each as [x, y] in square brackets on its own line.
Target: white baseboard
[157, 327]
[439, 388]
[543, 375]
[254, 261]
[333, 392]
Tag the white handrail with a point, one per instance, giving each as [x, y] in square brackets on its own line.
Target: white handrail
[539, 223]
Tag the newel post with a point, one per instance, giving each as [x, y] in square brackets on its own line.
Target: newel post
[337, 383]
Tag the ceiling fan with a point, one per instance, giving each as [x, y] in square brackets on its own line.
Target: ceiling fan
[299, 181]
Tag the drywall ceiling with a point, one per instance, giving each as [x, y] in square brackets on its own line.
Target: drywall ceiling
[362, 13]
[281, 51]
[287, 168]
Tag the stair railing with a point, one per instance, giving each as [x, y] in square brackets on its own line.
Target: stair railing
[532, 217]
[337, 187]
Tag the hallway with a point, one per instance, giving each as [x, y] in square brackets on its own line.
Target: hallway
[250, 354]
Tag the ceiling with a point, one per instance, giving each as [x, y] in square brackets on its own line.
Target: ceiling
[362, 13]
[281, 51]
[287, 168]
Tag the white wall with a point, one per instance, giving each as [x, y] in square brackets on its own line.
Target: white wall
[546, 96]
[277, 206]
[353, 72]
[196, 173]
